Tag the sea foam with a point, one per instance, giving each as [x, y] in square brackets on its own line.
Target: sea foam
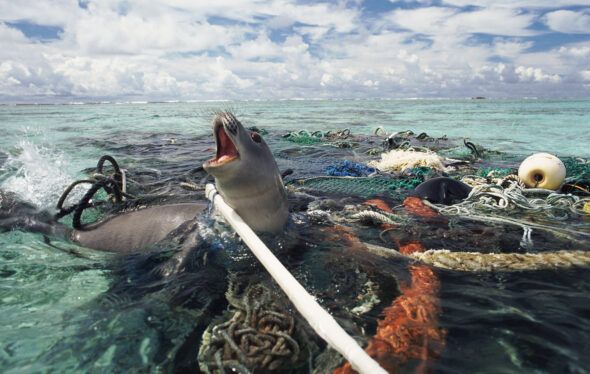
[37, 174]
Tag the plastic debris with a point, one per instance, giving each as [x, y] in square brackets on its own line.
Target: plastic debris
[349, 169]
[402, 160]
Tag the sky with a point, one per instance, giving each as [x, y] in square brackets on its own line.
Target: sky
[158, 50]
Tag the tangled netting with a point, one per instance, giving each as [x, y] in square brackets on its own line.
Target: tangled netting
[494, 198]
[365, 186]
[491, 172]
[349, 169]
[402, 160]
[306, 137]
[577, 168]
[257, 337]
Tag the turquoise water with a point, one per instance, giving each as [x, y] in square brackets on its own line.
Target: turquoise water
[65, 308]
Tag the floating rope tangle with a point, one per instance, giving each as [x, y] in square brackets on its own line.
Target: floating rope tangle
[480, 262]
[320, 320]
[493, 197]
[400, 160]
[474, 261]
[258, 336]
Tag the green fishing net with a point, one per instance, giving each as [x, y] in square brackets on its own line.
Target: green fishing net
[365, 186]
[305, 137]
[494, 172]
[577, 168]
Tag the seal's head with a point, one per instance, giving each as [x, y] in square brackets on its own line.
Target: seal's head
[236, 146]
[246, 175]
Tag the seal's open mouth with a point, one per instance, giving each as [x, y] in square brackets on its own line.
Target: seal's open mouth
[226, 150]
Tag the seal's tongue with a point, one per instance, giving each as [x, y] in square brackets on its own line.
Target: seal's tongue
[226, 150]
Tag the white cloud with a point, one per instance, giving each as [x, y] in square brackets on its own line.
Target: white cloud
[568, 21]
[518, 4]
[11, 35]
[448, 21]
[231, 49]
[530, 74]
[510, 48]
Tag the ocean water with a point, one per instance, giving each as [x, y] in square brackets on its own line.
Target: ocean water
[69, 309]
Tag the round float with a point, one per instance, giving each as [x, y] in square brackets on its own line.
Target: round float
[542, 170]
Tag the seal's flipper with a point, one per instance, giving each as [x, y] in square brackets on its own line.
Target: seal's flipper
[35, 225]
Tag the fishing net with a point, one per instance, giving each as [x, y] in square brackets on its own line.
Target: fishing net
[577, 168]
[364, 186]
[349, 169]
[494, 172]
[305, 137]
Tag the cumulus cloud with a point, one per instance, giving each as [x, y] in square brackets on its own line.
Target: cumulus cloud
[240, 49]
[568, 21]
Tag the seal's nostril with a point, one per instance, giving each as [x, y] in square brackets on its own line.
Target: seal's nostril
[232, 127]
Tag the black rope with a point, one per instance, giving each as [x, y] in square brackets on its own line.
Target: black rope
[113, 162]
[112, 185]
[422, 136]
[85, 203]
[65, 211]
[472, 148]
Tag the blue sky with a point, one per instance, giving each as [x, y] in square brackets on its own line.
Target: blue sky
[86, 50]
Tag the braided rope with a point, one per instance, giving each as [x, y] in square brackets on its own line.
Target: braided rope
[476, 262]
[480, 262]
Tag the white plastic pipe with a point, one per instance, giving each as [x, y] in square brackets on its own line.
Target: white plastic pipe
[320, 320]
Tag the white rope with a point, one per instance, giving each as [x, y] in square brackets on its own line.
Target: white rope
[320, 320]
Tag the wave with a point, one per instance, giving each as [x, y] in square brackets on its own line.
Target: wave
[37, 174]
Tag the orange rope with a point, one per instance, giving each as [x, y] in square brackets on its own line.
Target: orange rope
[408, 331]
[415, 206]
[380, 204]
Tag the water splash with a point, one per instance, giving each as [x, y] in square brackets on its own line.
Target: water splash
[37, 174]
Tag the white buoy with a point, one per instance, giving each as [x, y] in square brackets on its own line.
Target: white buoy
[542, 170]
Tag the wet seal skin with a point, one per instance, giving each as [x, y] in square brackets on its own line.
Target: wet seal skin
[246, 175]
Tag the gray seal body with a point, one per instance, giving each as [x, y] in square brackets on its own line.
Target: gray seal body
[247, 176]
[132, 231]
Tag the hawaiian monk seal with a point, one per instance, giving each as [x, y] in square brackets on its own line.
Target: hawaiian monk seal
[247, 176]
[245, 173]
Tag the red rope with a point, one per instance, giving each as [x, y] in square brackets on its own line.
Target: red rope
[408, 331]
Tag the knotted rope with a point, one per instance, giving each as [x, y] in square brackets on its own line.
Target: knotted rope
[258, 336]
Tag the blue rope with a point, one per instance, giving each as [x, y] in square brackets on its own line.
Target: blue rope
[349, 169]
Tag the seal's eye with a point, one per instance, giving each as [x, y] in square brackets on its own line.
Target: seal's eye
[256, 137]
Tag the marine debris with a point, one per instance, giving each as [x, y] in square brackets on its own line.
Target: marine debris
[408, 330]
[472, 261]
[258, 336]
[402, 160]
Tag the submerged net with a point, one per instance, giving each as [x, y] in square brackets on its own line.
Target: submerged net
[364, 186]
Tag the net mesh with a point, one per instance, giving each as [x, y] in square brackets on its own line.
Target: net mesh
[364, 186]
